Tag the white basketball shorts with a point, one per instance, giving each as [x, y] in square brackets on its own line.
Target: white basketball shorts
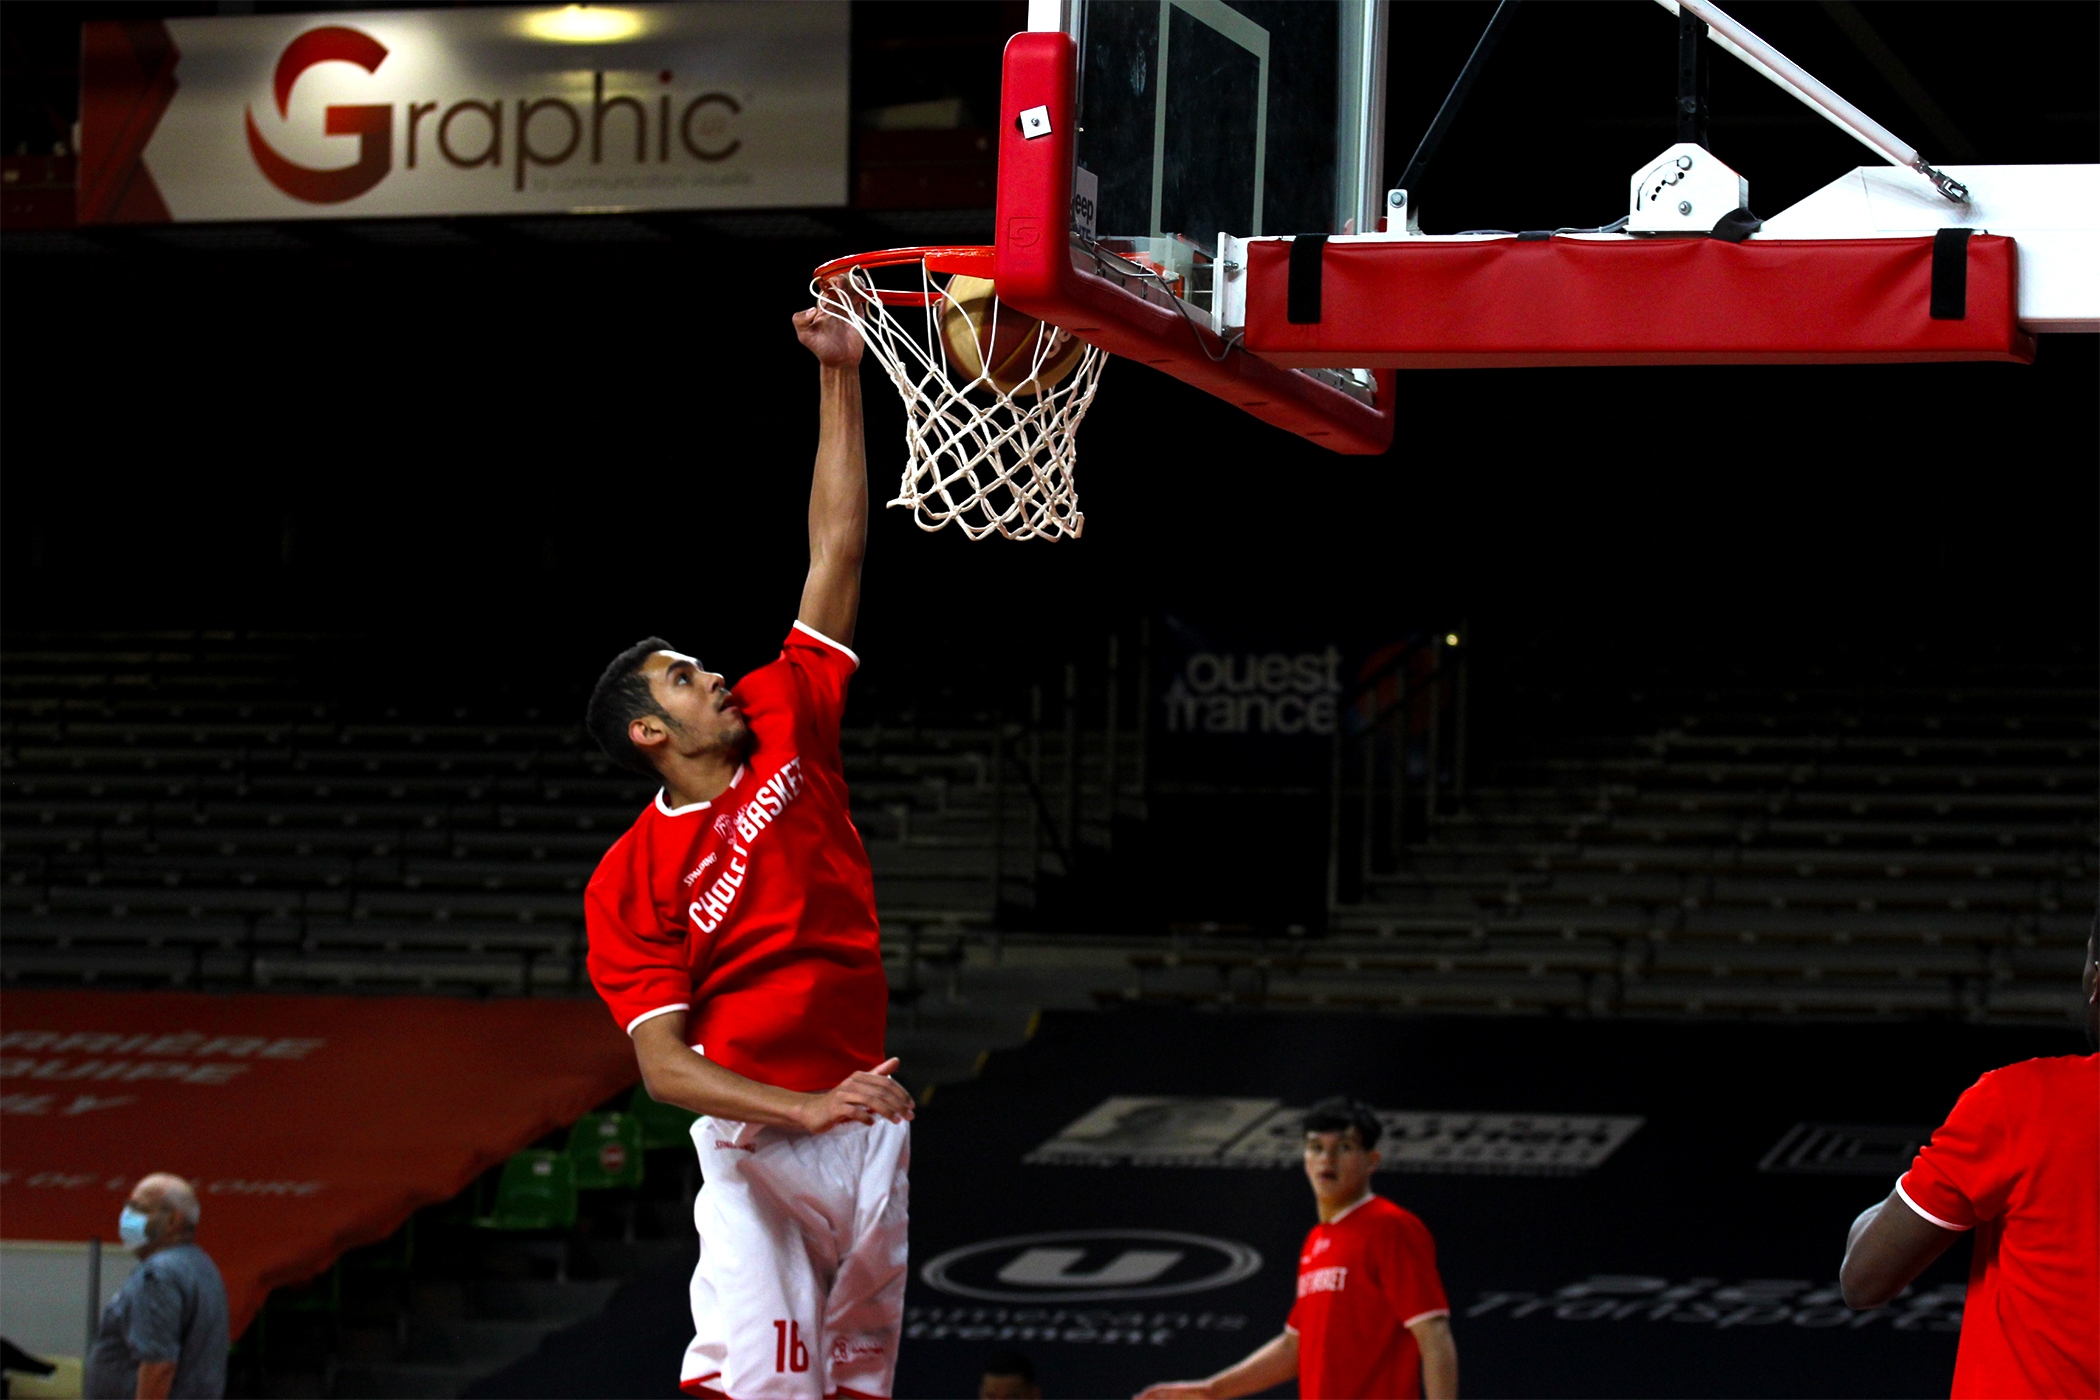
[800, 1290]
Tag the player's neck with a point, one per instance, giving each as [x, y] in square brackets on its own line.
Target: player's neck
[700, 777]
[1330, 1214]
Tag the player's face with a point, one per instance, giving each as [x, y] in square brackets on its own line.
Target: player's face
[1339, 1166]
[704, 716]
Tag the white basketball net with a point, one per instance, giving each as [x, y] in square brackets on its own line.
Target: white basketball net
[981, 457]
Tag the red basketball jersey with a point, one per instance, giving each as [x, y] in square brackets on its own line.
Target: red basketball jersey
[1363, 1277]
[2018, 1162]
[755, 913]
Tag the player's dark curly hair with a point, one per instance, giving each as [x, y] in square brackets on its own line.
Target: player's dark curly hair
[1341, 1113]
[620, 697]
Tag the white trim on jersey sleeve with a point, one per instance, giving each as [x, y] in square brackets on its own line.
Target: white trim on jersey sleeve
[851, 655]
[660, 1011]
[1928, 1215]
[1425, 1316]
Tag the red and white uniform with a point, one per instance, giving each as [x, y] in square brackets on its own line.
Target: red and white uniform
[755, 915]
[2018, 1162]
[1364, 1278]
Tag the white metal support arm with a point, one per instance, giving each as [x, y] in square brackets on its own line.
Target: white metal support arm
[1733, 36]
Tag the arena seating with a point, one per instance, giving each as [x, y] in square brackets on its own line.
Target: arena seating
[1921, 848]
[198, 810]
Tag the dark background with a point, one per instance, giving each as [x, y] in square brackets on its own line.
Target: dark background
[553, 447]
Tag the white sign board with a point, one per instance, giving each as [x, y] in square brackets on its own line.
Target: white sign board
[388, 114]
[1156, 1131]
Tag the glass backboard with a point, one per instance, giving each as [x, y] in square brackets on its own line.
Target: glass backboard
[1208, 117]
[1146, 132]
[1237, 116]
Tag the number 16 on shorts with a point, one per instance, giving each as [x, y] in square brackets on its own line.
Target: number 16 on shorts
[789, 1353]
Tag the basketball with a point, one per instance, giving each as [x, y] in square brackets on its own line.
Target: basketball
[985, 340]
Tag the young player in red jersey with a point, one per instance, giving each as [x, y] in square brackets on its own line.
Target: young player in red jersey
[1370, 1322]
[2017, 1162]
[733, 935]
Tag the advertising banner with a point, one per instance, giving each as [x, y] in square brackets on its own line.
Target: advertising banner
[308, 1124]
[1240, 711]
[390, 114]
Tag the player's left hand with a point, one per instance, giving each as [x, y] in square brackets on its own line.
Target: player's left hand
[831, 339]
[861, 1097]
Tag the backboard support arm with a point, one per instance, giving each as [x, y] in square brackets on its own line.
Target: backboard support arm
[1692, 109]
[1418, 164]
[1732, 35]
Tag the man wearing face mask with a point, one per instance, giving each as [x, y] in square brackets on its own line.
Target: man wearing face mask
[164, 1334]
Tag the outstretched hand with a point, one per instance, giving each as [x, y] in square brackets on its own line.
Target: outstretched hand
[862, 1097]
[830, 338]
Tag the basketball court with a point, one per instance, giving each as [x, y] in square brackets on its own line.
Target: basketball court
[1613, 693]
[1668, 1233]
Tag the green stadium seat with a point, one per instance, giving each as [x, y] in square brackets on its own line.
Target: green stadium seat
[537, 1191]
[663, 1124]
[605, 1151]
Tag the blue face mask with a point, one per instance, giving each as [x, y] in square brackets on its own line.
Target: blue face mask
[131, 1227]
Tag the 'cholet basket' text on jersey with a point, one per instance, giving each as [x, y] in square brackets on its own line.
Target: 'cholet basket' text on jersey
[755, 913]
[1363, 1278]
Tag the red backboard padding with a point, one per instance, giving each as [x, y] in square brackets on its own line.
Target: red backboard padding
[309, 1125]
[1567, 301]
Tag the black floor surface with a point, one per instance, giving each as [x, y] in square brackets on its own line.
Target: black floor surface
[1675, 1266]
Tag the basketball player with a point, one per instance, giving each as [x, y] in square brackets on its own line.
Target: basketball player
[1371, 1320]
[2018, 1162]
[733, 935]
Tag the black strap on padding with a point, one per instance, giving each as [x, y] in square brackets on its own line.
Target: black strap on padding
[1304, 305]
[1736, 225]
[1950, 274]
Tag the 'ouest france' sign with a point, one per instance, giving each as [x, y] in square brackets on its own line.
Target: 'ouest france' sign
[388, 114]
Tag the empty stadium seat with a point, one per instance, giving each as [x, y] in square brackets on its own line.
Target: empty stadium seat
[661, 1124]
[537, 1191]
[605, 1151]
[183, 811]
[1779, 850]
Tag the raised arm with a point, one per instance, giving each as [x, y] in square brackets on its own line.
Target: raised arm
[838, 492]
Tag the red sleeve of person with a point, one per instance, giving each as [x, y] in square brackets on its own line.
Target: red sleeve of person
[1407, 1269]
[308, 1125]
[821, 668]
[638, 958]
[2018, 1161]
